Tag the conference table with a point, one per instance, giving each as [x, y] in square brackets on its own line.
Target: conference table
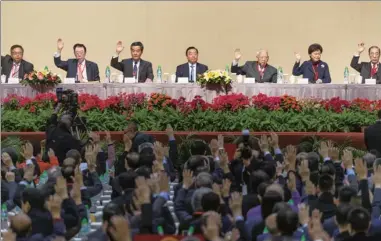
[189, 91]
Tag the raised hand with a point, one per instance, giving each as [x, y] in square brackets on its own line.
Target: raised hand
[237, 54]
[61, 188]
[347, 159]
[264, 143]
[60, 45]
[119, 47]
[108, 138]
[361, 47]
[187, 178]
[298, 57]
[127, 143]
[27, 151]
[54, 205]
[159, 151]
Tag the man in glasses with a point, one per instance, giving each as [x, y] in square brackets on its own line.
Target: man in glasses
[79, 68]
[368, 70]
[260, 69]
[14, 66]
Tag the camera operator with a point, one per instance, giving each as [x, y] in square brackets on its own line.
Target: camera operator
[58, 134]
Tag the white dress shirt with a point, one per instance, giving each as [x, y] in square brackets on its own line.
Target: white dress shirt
[194, 74]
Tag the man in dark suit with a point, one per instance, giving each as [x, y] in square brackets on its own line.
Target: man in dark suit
[79, 68]
[260, 69]
[14, 66]
[368, 70]
[135, 67]
[192, 68]
[372, 135]
[315, 70]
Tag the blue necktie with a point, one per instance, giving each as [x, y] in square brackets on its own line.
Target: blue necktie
[135, 70]
[191, 75]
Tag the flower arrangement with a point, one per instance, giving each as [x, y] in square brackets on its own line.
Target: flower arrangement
[215, 77]
[231, 112]
[43, 78]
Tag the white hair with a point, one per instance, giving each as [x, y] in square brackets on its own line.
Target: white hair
[262, 50]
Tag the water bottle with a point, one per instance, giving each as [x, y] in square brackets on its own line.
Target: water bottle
[43, 178]
[280, 75]
[227, 69]
[108, 74]
[88, 213]
[4, 217]
[46, 68]
[346, 75]
[84, 228]
[159, 74]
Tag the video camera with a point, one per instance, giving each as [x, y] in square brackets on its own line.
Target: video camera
[69, 100]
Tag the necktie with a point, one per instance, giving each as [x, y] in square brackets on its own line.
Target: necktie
[15, 71]
[374, 70]
[191, 74]
[135, 71]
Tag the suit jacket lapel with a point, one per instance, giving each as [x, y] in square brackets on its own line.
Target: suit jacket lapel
[310, 68]
[88, 71]
[256, 73]
[9, 65]
[21, 70]
[141, 67]
[75, 68]
[129, 68]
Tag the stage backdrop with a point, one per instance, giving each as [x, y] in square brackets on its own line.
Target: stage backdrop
[215, 28]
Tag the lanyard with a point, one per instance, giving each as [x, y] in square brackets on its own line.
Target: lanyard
[15, 70]
[80, 70]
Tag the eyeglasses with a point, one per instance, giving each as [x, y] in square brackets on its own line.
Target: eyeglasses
[16, 53]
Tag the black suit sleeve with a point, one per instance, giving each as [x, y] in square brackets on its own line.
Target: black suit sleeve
[96, 73]
[355, 63]
[274, 78]
[116, 64]
[61, 63]
[238, 70]
[179, 73]
[150, 71]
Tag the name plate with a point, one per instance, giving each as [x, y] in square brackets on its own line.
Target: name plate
[183, 80]
[249, 81]
[13, 80]
[370, 81]
[69, 81]
[130, 80]
[303, 81]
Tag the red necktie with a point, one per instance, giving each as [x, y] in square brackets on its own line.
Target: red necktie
[373, 70]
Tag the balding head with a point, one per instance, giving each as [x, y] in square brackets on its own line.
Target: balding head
[262, 57]
[21, 224]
